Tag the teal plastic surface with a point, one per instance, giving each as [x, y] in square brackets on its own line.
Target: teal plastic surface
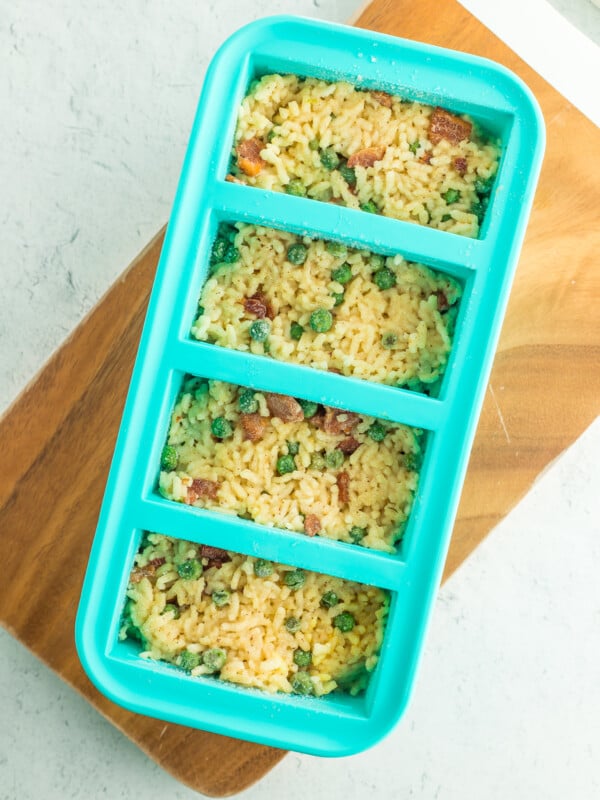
[335, 725]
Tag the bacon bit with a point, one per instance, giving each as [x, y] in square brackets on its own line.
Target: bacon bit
[442, 301]
[460, 165]
[349, 422]
[234, 179]
[248, 156]
[254, 426]
[202, 489]
[284, 407]
[312, 524]
[383, 98]
[215, 555]
[330, 421]
[426, 157]
[335, 370]
[444, 125]
[157, 562]
[139, 573]
[336, 201]
[252, 305]
[343, 484]
[259, 305]
[366, 157]
[349, 446]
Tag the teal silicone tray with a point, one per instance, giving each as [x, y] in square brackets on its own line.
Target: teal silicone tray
[502, 104]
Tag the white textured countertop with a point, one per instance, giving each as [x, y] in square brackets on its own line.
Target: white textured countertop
[97, 101]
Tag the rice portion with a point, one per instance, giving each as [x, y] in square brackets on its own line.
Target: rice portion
[251, 622]
[391, 320]
[329, 472]
[415, 163]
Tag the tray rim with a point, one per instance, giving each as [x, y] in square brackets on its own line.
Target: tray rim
[88, 652]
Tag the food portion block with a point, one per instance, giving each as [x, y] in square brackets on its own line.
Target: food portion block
[251, 621]
[291, 463]
[327, 306]
[367, 150]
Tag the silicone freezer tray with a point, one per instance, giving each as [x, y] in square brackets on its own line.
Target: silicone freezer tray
[336, 724]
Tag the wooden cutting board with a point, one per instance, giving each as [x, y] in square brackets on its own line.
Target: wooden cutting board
[58, 436]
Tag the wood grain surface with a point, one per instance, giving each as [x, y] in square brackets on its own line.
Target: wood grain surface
[59, 434]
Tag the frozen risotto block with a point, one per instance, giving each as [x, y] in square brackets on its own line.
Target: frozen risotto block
[325, 305]
[367, 150]
[291, 463]
[250, 621]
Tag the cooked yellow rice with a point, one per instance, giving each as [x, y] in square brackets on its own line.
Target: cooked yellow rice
[251, 628]
[382, 475]
[293, 112]
[358, 343]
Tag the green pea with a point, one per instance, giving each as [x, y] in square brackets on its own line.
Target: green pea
[384, 279]
[170, 608]
[296, 188]
[412, 461]
[377, 432]
[317, 461]
[329, 158]
[260, 330]
[296, 331]
[324, 195]
[219, 249]
[349, 175]
[448, 217]
[451, 196]
[342, 274]
[214, 659]
[263, 568]
[190, 570]
[285, 465]
[313, 144]
[295, 579]
[414, 146]
[321, 320]
[133, 632]
[302, 684]
[302, 658]
[221, 428]
[232, 254]
[189, 661]
[370, 207]
[479, 208]
[377, 262]
[389, 340]
[271, 135]
[201, 390]
[221, 597]
[292, 624]
[169, 458]
[229, 232]
[338, 298]
[334, 459]
[357, 534]
[308, 407]
[247, 402]
[329, 600]
[344, 622]
[297, 253]
[293, 448]
[337, 249]
[483, 187]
